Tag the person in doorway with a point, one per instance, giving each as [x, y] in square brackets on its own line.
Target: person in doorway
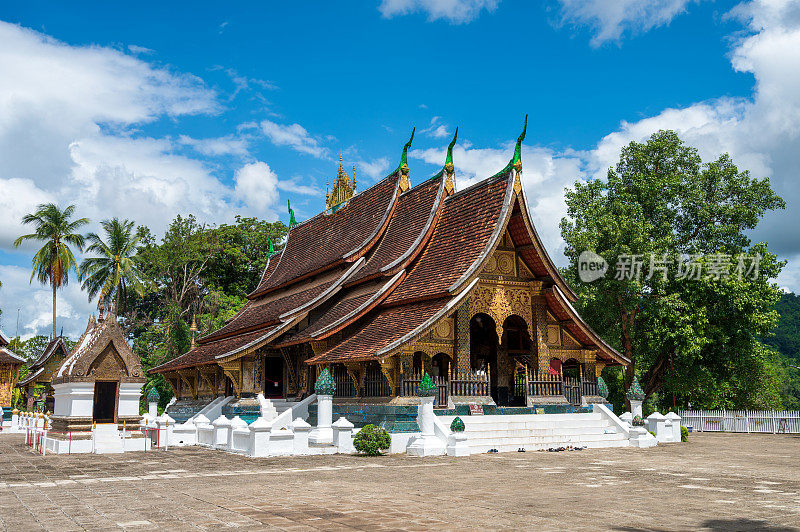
[434, 369]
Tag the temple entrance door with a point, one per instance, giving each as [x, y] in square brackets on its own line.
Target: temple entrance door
[273, 377]
[105, 402]
[483, 344]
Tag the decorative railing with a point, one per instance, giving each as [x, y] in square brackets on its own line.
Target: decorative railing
[469, 383]
[408, 387]
[544, 383]
[589, 386]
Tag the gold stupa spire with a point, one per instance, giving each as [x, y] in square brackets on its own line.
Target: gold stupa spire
[343, 187]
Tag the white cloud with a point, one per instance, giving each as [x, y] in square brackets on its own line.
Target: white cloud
[257, 185]
[453, 11]
[293, 135]
[18, 197]
[610, 20]
[227, 145]
[436, 129]
[71, 120]
[374, 169]
[35, 302]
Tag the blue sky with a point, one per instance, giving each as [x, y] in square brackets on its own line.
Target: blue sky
[150, 110]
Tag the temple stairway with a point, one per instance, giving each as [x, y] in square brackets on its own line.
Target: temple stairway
[107, 439]
[183, 409]
[533, 432]
[281, 405]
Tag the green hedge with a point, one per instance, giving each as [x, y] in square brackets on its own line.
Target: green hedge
[371, 440]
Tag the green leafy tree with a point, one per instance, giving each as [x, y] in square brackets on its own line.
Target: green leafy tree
[54, 260]
[697, 339]
[114, 270]
[241, 255]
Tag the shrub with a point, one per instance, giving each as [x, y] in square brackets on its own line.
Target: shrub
[651, 432]
[684, 433]
[638, 421]
[371, 440]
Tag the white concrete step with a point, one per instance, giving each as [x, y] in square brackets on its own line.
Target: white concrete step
[508, 433]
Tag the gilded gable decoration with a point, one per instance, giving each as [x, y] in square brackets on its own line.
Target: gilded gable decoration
[343, 189]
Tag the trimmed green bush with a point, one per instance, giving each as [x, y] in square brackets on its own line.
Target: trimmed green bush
[638, 421]
[371, 440]
[684, 433]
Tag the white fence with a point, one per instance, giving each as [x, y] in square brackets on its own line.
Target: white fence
[768, 421]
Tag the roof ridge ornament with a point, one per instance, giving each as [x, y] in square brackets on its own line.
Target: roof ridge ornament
[405, 184]
[516, 161]
[449, 168]
[292, 220]
[271, 250]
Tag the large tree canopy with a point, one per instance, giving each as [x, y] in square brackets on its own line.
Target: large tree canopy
[686, 297]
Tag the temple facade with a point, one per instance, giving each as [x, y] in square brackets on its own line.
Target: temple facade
[396, 281]
[37, 382]
[100, 382]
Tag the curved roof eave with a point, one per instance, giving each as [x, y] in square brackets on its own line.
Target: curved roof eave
[428, 324]
[601, 344]
[344, 321]
[424, 235]
[491, 244]
[549, 265]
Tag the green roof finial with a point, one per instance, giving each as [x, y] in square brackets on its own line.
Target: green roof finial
[271, 251]
[516, 162]
[449, 159]
[404, 157]
[292, 221]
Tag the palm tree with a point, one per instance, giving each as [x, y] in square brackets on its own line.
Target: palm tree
[54, 260]
[114, 270]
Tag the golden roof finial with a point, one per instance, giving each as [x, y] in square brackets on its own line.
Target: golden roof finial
[343, 188]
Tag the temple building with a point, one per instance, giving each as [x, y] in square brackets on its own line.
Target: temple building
[9, 373]
[397, 280]
[40, 373]
[100, 382]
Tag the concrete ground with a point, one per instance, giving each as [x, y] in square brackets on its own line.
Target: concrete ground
[715, 482]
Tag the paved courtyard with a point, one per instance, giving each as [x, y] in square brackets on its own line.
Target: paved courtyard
[717, 481]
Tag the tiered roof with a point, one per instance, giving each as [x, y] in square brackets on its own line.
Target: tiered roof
[384, 267]
[6, 355]
[56, 347]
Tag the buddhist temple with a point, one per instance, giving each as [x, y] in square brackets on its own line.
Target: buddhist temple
[41, 372]
[406, 277]
[9, 372]
[99, 382]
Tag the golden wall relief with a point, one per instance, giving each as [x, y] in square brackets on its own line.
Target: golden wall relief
[6, 383]
[500, 300]
[501, 263]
